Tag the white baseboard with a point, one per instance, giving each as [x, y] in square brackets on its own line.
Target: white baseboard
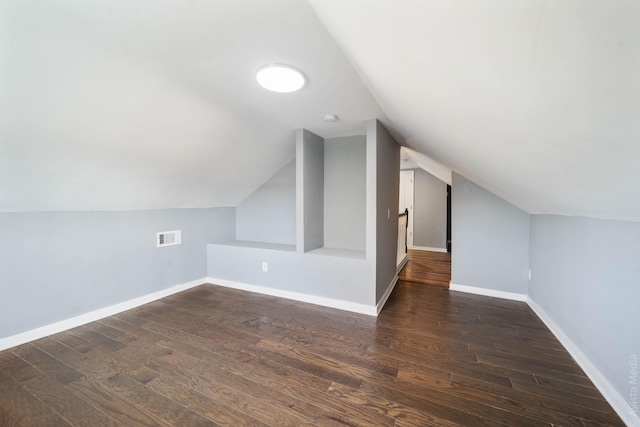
[296, 296]
[426, 248]
[487, 292]
[92, 316]
[404, 262]
[617, 402]
[386, 295]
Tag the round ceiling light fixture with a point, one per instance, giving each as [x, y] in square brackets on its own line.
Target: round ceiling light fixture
[280, 78]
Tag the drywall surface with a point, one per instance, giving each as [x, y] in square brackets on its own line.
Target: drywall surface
[490, 240]
[337, 278]
[387, 170]
[345, 193]
[269, 213]
[430, 211]
[309, 190]
[586, 277]
[57, 265]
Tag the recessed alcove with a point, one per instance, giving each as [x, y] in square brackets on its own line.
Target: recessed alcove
[331, 195]
[320, 224]
[316, 201]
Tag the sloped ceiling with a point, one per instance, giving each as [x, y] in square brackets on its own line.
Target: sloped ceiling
[144, 104]
[536, 100]
[141, 104]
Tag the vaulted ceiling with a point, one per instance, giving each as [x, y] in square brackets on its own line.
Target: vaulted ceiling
[142, 104]
[138, 104]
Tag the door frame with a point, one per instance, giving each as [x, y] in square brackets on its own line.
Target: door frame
[410, 183]
[448, 218]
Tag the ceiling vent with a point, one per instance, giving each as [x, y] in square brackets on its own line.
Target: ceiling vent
[169, 238]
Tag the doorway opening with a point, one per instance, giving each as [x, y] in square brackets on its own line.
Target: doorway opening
[428, 201]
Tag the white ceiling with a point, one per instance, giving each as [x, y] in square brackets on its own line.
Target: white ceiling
[143, 104]
[536, 100]
[140, 104]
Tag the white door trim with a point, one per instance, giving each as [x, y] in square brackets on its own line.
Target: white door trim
[407, 178]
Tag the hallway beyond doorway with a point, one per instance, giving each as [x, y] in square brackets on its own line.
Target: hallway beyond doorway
[427, 267]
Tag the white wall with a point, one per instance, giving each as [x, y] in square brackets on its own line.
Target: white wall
[345, 193]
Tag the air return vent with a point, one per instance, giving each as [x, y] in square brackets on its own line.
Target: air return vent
[169, 238]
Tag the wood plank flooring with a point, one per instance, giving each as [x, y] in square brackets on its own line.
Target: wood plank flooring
[215, 356]
[427, 267]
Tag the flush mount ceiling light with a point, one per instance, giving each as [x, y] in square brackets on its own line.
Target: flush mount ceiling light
[330, 118]
[280, 78]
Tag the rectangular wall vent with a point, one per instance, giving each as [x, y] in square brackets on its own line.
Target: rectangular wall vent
[169, 238]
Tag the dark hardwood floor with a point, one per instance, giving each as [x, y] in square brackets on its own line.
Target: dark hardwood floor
[427, 267]
[215, 356]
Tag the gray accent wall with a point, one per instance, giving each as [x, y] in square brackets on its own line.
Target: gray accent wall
[430, 211]
[340, 274]
[387, 178]
[490, 240]
[310, 191]
[345, 193]
[334, 277]
[586, 277]
[57, 265]
[269, 213]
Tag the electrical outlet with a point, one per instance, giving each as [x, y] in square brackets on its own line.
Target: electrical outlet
[265, 266]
